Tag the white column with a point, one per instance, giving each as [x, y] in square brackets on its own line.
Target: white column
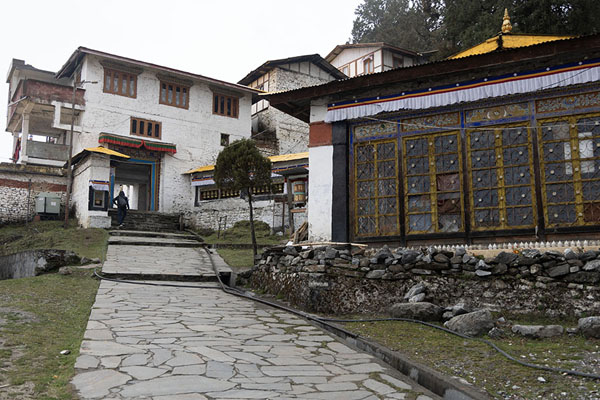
[24, 138]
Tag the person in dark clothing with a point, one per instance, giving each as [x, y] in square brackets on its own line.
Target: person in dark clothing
[122, 206]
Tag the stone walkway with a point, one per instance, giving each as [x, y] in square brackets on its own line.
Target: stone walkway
[147, 342]
[190, 342]
[160, 260]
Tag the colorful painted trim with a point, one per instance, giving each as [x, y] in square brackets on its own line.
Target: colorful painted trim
[550, 77]
[136, 143]
[100, 185]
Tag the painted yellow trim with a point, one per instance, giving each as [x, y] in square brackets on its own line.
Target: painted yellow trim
[104, 150]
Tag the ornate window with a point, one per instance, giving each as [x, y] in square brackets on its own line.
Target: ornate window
[174, 95]
[225, 105]
[119, 82]
[376, 188]
[433, 169]
[145, 128]
[570, 157]
[501, 178]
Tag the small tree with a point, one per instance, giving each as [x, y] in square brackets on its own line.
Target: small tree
[240, 166]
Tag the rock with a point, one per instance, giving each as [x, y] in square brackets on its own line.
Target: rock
[505, 258]
[396, 268]
[483, 273]
[589, 327]
[420, 311]
[559, 270]
[95, 261]
[570, 254]
[496, 333]
[530, 253]
[482, 265]
[409, 257]
[375, 274]
[583, 277]
[575, 263]
[85, 261]
[441, 258]
[447, 315]
[541, 379]
[588, 255]
[459, 309]
[538, 331]
[460, 252]
[290, 251]
[467, 258]
[456, 260]
[591, 265]
[382, 254]
[417, 298]
[307, 254]
[330, 253]
[420, 271]
[415, 290]
[535, 269]
[472, 324]
[364, 262]
[499, 269]
[65, 271]
[525, 261]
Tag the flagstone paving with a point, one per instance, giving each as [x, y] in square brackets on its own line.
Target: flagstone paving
[158, 260]
[178, 343]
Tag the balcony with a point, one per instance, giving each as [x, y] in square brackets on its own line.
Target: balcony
[47, 151]
[41, 94]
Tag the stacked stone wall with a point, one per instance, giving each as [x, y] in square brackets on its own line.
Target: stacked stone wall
[21, 184]
[343, 281]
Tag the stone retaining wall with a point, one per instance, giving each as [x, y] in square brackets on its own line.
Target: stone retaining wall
[340, 281]
[19, 186]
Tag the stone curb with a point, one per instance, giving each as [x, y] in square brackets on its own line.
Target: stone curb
[440, 384]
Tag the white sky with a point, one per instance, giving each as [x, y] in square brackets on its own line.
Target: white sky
[220, 39]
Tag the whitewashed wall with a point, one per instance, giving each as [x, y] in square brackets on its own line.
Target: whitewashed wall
[196, 131]
[94, 167]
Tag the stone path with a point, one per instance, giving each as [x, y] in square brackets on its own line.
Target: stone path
[182, 343]
[160, 260]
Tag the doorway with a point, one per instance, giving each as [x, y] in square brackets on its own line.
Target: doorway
[137, 179]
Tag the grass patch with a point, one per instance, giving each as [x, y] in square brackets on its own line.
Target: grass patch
[89, 243]
[241, 259]
[237, 258]
[42, 316]
[482, 366]
[240, 233]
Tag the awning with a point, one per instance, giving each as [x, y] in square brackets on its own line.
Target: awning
[100, 150]
[136, 143]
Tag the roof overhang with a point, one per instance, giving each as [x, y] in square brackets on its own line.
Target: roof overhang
[341, 47]
[297, 102]
[271, 64]
[75, 59]
[97, 150]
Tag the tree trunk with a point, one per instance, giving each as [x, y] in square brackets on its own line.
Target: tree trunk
[254, 246]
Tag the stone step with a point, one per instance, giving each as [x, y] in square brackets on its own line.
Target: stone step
[153, 234]
[147, 221]
[153, 241]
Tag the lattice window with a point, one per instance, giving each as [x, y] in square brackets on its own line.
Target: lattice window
[570, 156]
[376, 184]
[433, 169]
[501, 178]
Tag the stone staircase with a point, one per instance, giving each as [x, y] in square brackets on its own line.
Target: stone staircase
[150, 221]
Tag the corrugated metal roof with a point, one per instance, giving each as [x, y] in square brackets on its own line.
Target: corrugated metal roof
[507, 41]
[273, 159]
[104, 150]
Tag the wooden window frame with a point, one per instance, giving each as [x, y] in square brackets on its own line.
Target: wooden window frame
[220, 105]
[368, 61]
[170, 86]
[139, 127]
[109, 83]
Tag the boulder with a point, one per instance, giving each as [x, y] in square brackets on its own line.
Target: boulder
[589, 327]
[460, 252]
[290, 251]
[559, 270]
[505, 258]
[441, 258]
[538, 331]
[472, 324]
[415, 290]
[417, 298]
[65, 271]
[570, 254]
[409, 257]
[593, 265]
[588, 255]
[330, 253]
[421, 311]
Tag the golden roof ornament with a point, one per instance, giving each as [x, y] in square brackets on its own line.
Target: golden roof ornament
[506, 26]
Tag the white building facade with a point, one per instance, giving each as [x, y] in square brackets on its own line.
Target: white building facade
[159, 121]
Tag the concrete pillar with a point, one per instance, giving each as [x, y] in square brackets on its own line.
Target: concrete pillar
[24, 138]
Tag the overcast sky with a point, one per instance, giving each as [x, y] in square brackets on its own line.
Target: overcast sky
[219, 39]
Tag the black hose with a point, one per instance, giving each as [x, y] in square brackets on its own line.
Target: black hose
[325, 321]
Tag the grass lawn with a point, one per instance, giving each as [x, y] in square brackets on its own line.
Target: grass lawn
[43, 315]
[241, 259]
[480, 365]
[89, 243]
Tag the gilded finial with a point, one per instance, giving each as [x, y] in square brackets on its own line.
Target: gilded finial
[506, 26]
